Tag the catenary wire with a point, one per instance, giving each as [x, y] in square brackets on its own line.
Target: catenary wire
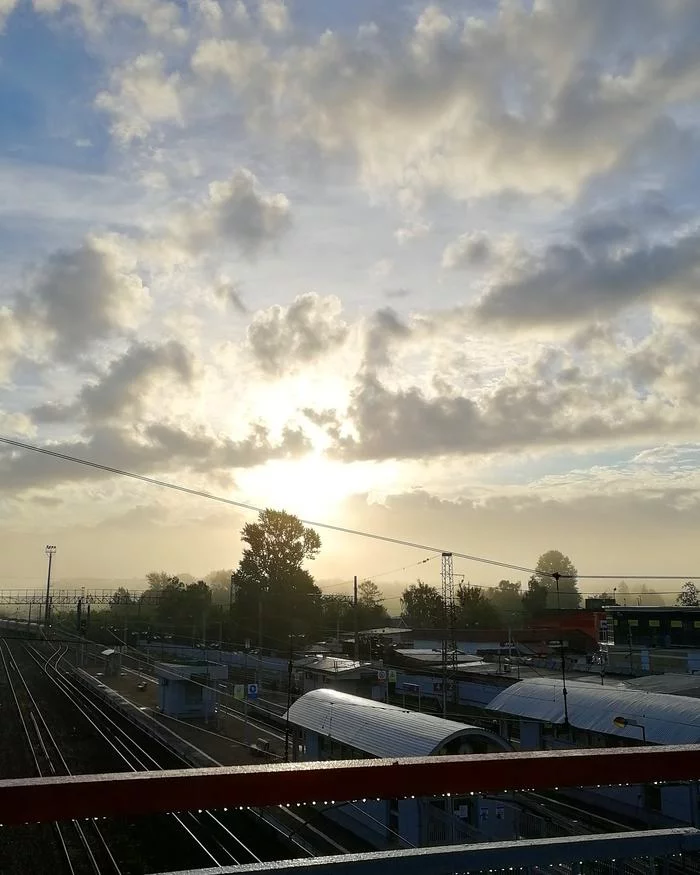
[200, 493]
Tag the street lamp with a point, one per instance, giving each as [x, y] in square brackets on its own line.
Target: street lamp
[50, 552]
[622, 722]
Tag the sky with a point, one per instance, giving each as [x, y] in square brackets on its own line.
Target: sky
[429, 271]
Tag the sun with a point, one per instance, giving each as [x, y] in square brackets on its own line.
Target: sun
[311, 487]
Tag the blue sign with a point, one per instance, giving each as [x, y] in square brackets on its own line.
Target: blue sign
[252, 691]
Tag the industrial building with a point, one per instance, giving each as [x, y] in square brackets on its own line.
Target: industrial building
[331, 725]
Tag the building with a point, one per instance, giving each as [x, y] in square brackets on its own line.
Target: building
[330, 725]
[533, 712]
[644, 640]
[313, 672]
[188, 689]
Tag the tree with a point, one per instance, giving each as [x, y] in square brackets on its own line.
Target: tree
[689, 596]
[422, 606]
[554, 562]
[473, 608]
[271, 582]
[507, 599]
[371, 613]
[534, 601]
[157, 580]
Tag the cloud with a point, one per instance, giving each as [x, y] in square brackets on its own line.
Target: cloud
[6, 8]
[412, 231]
[160, 18]
[79, 296]
[472, 249]
[541, 98]
[141, 95]
[148, 449]
[281, 338]
[230, 293]
[274, 15]
[592, 278]
[551, 403]
[236, 211]
[383, 331]
[123, 390]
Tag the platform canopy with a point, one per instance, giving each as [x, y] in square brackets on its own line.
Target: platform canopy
[383, 730]
[666, 719]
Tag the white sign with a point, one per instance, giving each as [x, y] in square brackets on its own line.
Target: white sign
[381, 675]
[252, 691]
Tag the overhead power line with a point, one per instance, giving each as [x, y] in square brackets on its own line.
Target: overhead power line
[200, 493]
[401, 542]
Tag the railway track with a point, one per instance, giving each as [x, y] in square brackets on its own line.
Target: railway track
[218, 840]
[192, 839]
[83, 847]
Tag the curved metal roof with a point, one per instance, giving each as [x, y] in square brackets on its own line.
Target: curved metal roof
[667, 719]
[379, 729]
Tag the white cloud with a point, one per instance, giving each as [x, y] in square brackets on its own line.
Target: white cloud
[472, 106]
[274, 15]
[411, 231]
[6, 9]
[141, 95]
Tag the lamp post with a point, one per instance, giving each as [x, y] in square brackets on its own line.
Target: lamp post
[50, 552]
[622, 722]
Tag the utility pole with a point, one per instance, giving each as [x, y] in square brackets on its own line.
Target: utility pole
[50, 552]
[290, 669]
[449, 635]
[355, 619]
[260, 639]
[565, 694]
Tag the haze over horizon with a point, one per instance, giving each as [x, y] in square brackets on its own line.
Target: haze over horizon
[423, 270]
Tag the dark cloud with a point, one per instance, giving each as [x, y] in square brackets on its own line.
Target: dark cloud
[394, 294]
[473, 249]
[81, 296]
[122, 390]
[150, 449]
[384, 330]
[237, 211]
[555, 404]
[282, 338]
[230, 293]
[570, 283]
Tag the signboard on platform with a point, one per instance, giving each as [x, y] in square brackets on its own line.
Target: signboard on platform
[252, 691]
[392, 675]
[381, 675]
[239, 692]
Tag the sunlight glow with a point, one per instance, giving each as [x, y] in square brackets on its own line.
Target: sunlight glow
[312, 487]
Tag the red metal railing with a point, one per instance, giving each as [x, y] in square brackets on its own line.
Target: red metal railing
[47, 799]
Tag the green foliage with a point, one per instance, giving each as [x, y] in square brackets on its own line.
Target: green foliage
[535, 599]
[371, 613]
[473, 609]
[554, 562]
[507, 599]
[270, 579]
[689, 596]
[422, 607]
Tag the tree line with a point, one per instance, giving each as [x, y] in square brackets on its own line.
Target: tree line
[271, 598]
